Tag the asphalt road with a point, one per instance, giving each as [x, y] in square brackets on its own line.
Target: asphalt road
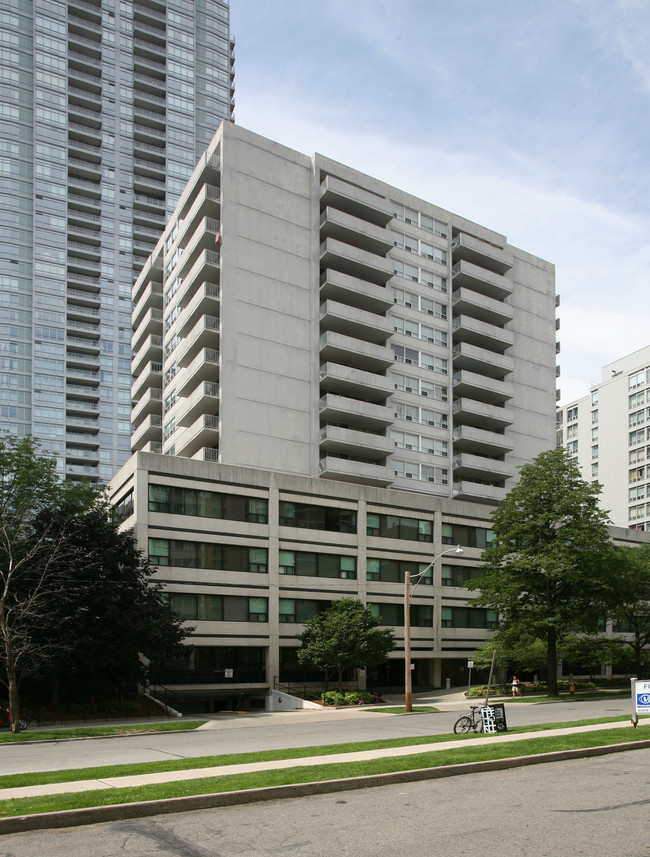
[597, 807]
[255, 732]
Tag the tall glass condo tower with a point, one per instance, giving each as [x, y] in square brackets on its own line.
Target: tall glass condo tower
[105, 107]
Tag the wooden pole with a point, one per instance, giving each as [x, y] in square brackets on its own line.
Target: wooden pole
[408, 694]
[487, 695]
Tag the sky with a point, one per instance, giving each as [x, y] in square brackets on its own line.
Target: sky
[531, 118]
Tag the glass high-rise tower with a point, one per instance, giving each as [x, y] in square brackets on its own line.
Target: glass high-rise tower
[105, 107]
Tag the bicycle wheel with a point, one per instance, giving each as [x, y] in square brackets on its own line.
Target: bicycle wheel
[463, 724]
[478, 725]
[22, 723]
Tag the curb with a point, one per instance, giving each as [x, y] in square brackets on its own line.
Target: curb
[118, 812]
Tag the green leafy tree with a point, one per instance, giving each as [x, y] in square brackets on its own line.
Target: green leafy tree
[631, 611]
[109, 613]
[345, 636]
[29, 551]
[549, 569]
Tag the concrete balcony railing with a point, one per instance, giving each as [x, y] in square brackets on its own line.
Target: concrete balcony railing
[481, 334]
[204, 367]
[481, 280]
[478, 492]
[346, 470]
[355, 322]
[362, 414]
[201, 433]
[151, 297]
[355, 292]
[346, 380]
[150, 403]
[337, 348]
[356, 231]
[474, 386]
[354, 200]
[481, 414]
[362, 444]
[471, 439]
[150, 376]
[151, 349]
[478, 467]
[355, 262]
[464, 301]
[467, 248]
[151, 324]
[482, 361]
[149, 430]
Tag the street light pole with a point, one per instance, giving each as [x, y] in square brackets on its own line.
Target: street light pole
[408, 682]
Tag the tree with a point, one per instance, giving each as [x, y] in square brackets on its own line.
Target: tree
[28, 585]
[345, 636]
[631, 612]
[74, 591]
[110, 612]
[548, 570]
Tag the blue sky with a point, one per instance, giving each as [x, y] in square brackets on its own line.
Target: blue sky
[532, 118]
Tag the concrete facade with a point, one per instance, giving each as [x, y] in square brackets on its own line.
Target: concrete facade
[317, 321]
[606, 433]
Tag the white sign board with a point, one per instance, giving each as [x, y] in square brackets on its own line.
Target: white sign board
[470, 664]
[642, 696]
[228, 673]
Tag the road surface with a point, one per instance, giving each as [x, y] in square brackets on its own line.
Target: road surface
[597, 807]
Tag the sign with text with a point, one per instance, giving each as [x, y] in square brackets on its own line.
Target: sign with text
[642, 696]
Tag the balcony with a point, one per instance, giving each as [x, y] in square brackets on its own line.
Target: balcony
[150, 403]
[479, 467]
[151, 350]
[471, 439]
[204, 335]
[152, 323]
[481, 280]
[478, 492]
[354, 412]
[196, 302]
[362, 444]
[466, 248]
[352, 230]
[206, 268]
[482, 361]
[337, 348]
[476, 305]
[149, 430]
[354, 322]
[204, 400]
[480, 333]
[355, 262]
[355, 292]
[355, 201]
[481, 414]
[203, 240]
[482, 388]
[346, 470]
[203, 432]
[204, 367]
[151, 376]
[346, 380]
[150, 298]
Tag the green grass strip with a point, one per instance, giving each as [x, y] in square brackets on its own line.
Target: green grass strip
[34, 778]
[318, 773]
[99, 731]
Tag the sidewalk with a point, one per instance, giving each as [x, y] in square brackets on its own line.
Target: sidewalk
[225, 770]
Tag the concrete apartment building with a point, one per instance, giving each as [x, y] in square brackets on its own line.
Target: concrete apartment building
[344, 380]
[606, 433]
[106, 107]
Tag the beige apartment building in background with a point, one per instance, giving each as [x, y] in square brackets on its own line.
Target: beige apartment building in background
[343, 381]
[606, 432]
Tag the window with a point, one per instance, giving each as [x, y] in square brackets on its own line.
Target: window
[636, 380]
[636, 493]
[175, 500]
[422, 472]
[300, 610]
[594, 434]
[308, 516]
[396, 527]
[594, 451]
[636, 474]
[572, 431]
[594, 470]
[594, 416]
[218, 608]
[467, 617]
[391, 615]
[636, 418]
[318, 564]
[572, 447]
[458, 575]
[637, 436]
[594, 397]
[572, 414]
[471, 537]
[394, 570]
[182, 554]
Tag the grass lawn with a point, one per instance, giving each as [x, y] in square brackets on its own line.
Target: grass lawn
[99, 731]
[312, 773]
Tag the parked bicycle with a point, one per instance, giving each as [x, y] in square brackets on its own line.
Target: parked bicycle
[5, 719]
[469, 722]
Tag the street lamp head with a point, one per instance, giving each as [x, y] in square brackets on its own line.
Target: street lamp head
[458, 550]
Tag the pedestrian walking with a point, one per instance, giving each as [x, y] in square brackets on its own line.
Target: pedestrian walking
[516, 687]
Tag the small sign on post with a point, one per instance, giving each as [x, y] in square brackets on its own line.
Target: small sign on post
[641, 696]
[228, 673]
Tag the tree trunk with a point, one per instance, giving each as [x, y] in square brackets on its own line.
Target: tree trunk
[14, 701]
[551, 663]
[340, 680]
